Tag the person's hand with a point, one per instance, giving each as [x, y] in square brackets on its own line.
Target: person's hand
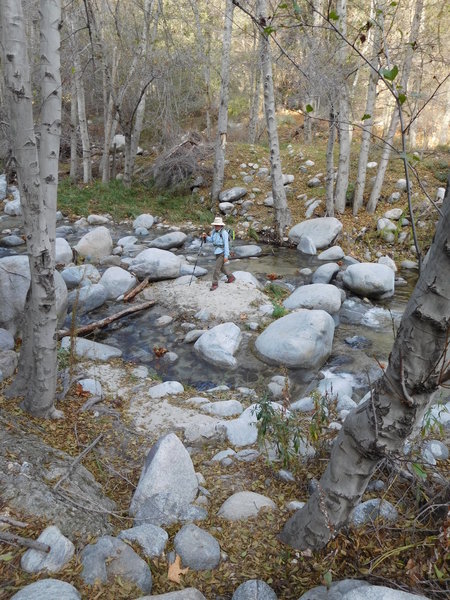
[225, 260]
[203, 236]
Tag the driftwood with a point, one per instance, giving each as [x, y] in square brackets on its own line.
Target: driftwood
[135, 291]
[104, 322]
[17, 540]
[10, 521]
[77, 460]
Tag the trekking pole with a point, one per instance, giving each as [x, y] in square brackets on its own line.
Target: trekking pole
[196, 260]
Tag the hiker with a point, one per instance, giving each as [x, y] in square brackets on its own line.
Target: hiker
[219, 239]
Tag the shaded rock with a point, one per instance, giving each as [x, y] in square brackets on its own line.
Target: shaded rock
[87, 298]
[156, 264]
[302, 339]
[117, 282]
[333, 253]
[61, 552]
[164, 509]
[371, 510]
[254, 589]
[8, 362]
[317, 296]
[175, 239]
[95, 244]
[144, 221]
[322, 231]
[358, 341]
[352, 589]
[243, 505]
[48, 589]
[6, 340]
[63, 252]
[168, 469]
[232, 194]
[226, 207]
[186, 594]
[369, 280]
[13, 208]
[11, 241]
[307, 246]
[81, 275]
[110, 558]
[218, 345]
[247, 251]
[198, 549]
[325, 273]
[151, 539]
[84, 348]
[277, 385]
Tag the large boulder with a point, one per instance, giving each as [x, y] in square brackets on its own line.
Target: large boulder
[370, 280]
[246, 251]
[302, 339]
[87, 298]
[87, 349]
[14, 284]
[156, 264]
[322, 296]
[61, 552]
[232, 194]
[168, 469]
[243, 505]
[322, 231]
[80, 275]
[116, 282]
[353, 589]
[254, 589]
[95, 244]
[48, 589]
[144, 221]
[198, 549]
[175, 239]
[63, 252]
[218, 345]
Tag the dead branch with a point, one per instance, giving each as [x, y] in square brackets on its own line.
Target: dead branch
[104, 322]
[17, 540]
[135, 291]
[13, 522]
[77, 460]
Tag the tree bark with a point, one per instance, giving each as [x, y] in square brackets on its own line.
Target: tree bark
[73, 132]
[36, 377]
[379, 427]
[378, 17]
[412, 41]
[282, 213]
[343, 116]
[330, 165]
[256, 80]
[222, 124]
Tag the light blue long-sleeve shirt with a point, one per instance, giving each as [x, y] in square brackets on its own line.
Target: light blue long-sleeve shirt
[219, 239]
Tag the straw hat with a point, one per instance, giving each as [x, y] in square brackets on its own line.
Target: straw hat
[218, 221]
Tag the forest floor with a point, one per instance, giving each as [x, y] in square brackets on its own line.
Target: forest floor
[412, 554]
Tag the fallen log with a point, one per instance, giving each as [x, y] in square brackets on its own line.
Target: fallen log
[17, 540]
[104, 322]
[135, 291]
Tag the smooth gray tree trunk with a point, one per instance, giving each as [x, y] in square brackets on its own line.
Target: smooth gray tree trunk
[376, 38]
[382, 167]
[282, 213]
[330, 166]
[36, 377]
[256, 90]
[343, 116]
[378, 428]
[73, 132]
[222, 123]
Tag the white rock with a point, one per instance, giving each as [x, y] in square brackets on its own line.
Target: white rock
[61, 552]
[243, 505]
[96, 244]
[168, 388]
[317, 296]
[63, 252]
[117, 282]
[322, 231]
[219, 344]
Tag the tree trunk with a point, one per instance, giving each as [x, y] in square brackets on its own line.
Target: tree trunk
[81, 102]
[73, 132]
[343, 116]
[330, 165]
[445, 123]
[205, 49]
[379, 427]
[282, 214]
[222, 125]
[36, 377]
[376, 190]
[256, 79]
[108, 115]
[378, 16]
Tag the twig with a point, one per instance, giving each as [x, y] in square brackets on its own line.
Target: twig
[13, 522]
[103, 322]
[135, 291]
[77, 460]
[17, 540]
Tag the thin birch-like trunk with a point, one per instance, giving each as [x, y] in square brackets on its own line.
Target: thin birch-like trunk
[222, 124]
[205, 47]
[108, 117]
[73, 132]
[343, 117]
[376, 190]
[36, 377]
[256, 91]
[330, 166]
[378, 18]
[379, 427]
[282, 213]
[445, 122]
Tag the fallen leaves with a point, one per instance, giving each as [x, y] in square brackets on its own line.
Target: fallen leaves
[175, 570]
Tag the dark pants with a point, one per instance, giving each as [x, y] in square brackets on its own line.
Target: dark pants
[220, 266]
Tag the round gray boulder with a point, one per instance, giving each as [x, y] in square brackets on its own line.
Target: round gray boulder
[322, 231]
[317, 296]
[116, 282]
[302, 339]
[48, 589]
[254, 589]
[198, 549]
[174, 239]
[371, 280]
[61, 552]
[243, 505]
[95, 244]
[218, 345]
[232, 194]
[156, 264]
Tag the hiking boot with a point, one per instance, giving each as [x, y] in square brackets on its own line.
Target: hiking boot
[230, 279]
[214, 286]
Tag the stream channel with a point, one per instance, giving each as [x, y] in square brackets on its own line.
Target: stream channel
[369, 327]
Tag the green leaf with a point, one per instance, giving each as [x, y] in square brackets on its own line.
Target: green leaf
[333, 16]
[415, 157]
[309, 108]
[391, 74]
[6, 557]
[419, 471]
[439, 573]
[401, 98]
[365, 117]
[268, 30]
[327, 579]
[284, 5]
